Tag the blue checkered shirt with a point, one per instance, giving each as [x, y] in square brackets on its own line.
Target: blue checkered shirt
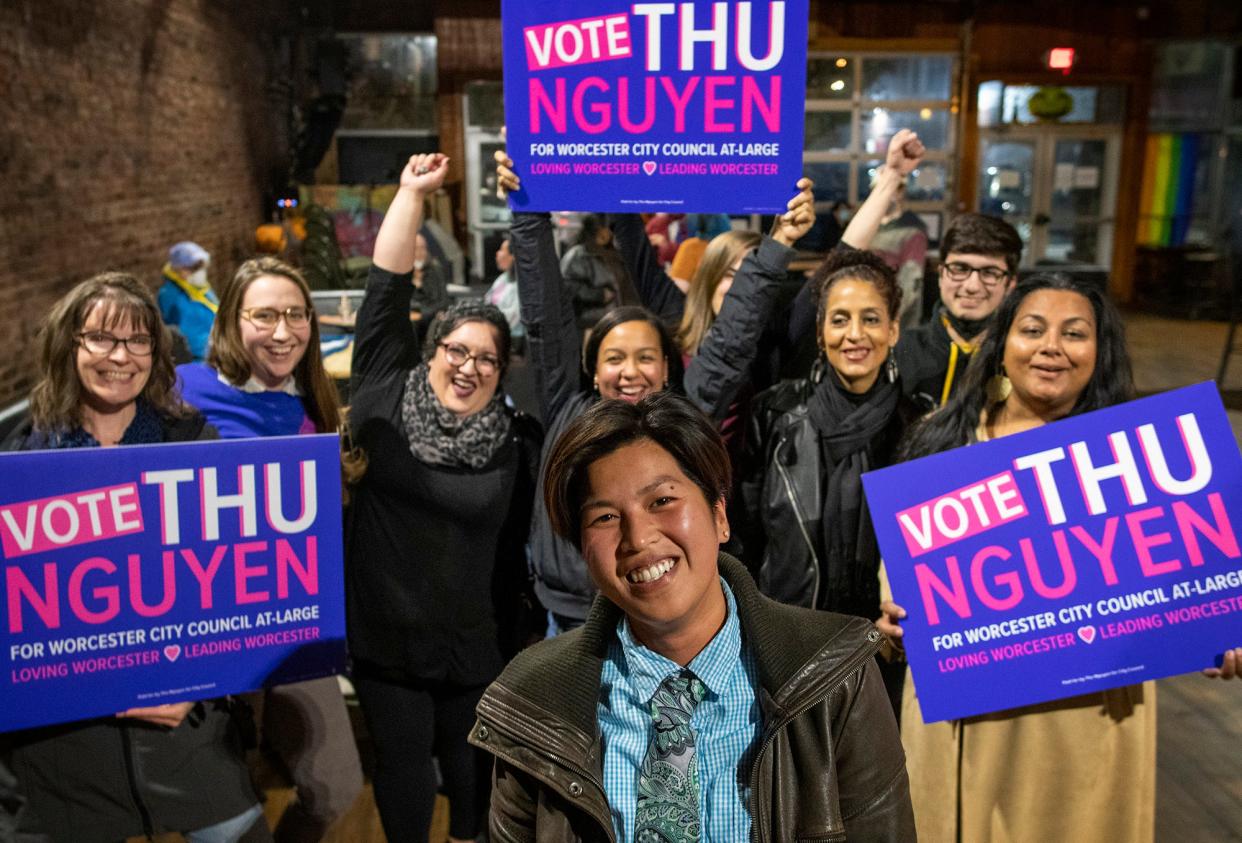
[727, 725]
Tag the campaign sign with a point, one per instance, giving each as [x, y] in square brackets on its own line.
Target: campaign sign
[1094, 552]
[153, 574]
[628, 107]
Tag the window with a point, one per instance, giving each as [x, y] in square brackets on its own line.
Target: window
[392, 83]
[856, 102]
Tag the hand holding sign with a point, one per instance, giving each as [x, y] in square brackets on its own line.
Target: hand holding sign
[1230, 666]
[505, 177]
[792, 225]
[169, 715]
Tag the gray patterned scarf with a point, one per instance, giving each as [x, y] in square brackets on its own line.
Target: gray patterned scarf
[440, 437]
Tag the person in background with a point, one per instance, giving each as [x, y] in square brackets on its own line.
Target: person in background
[186, 299]
[1081, 768]
[686, 262]
[594, 274]
[979, 258]
[264, 377]
[430, 282]
[688, 707]
[902, 242]
[630, 354]
[503, 293]
[437, 584]
[665, 232]
[106, 379]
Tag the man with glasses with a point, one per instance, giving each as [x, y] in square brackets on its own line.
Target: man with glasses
[978, 266]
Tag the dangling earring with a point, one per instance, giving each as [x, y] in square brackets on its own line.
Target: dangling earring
[595, 384]
[818, 367]
[891, 368]
[999, 386]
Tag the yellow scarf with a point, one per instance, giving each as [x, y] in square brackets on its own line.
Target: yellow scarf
[195, 293]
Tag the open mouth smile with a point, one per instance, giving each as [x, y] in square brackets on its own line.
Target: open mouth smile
[651, 573]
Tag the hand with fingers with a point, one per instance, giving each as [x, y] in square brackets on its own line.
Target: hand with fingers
[889, 622]
[905, 152]
[797, 220]
[168, 715]
[1230, 666]
[424, 174]
[506, 179]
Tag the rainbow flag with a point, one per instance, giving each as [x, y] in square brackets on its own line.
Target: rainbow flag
[1167, 197]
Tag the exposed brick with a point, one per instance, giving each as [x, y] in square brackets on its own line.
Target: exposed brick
[129, 125]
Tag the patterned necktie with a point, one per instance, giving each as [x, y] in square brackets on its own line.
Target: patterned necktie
[668, 782]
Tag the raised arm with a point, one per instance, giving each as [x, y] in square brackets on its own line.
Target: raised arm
[383, 338]
[722, 365]
[655, 289]
[552, 337]
[905, 153]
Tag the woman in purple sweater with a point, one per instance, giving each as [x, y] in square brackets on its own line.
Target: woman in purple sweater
[264, 377]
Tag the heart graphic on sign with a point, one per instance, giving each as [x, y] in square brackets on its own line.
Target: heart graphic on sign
[1087, 633]
[173, 651]
[649, 167]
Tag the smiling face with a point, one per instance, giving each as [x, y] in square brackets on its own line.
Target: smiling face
[1050, 351]
[972, 298]
[631, 363]
[463, 389]
[857, 333]
[273, 353]
[111, 381]
[651, 541]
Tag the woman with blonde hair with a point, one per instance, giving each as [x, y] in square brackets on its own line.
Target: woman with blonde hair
[106, 378]
[264, 376]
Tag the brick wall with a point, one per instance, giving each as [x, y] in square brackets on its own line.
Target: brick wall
[128, 125]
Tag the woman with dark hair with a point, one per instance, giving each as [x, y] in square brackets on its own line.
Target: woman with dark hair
[808, 532]
[264, 376]
[628, 355]
[594, 275]
[688, 707]
[1081, 768]
[106, 379]
[435, 562]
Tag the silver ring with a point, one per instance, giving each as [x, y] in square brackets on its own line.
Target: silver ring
[421, 171]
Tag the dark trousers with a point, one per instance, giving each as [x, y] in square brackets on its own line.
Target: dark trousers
[409, 724]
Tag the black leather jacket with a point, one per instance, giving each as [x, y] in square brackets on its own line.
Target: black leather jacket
[830, 765]
[783, 488]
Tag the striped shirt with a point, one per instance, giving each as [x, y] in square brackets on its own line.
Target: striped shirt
[727, 725]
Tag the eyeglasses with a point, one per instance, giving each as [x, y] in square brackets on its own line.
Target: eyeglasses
[267, 318]
[457, 355]
[97, 342]
[989, 276]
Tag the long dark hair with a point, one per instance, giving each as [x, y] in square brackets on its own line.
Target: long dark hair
[1112, 381]
[630, 313]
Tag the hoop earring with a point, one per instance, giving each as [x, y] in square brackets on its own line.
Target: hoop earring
[891, 367]
[999, 386]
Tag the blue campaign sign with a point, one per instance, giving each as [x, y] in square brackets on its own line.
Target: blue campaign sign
[154, 574]
[1097, 551]
[629, 107]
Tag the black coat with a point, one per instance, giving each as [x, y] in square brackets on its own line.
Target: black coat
[437, 584]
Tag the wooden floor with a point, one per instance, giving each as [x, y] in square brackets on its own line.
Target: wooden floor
[1199, 761]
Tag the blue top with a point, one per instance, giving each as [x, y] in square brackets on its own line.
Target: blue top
[727, 725]
[238, 413]
[192, 318]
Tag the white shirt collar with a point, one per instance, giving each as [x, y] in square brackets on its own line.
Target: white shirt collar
[289, 387]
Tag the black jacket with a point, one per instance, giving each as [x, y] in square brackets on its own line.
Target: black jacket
[108, 779]
[712, 380]
[830, 764]
[928, 363]
[783, 491]
[436, 577]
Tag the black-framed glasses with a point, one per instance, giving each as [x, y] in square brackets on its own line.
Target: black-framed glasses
[101, 342]
[486, 364]
[989, 276]
[267, 318]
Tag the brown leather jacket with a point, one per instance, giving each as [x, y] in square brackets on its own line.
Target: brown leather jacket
[830, 766]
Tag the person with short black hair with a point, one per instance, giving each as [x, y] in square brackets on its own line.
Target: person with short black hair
[979, 258]
[688, 707]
